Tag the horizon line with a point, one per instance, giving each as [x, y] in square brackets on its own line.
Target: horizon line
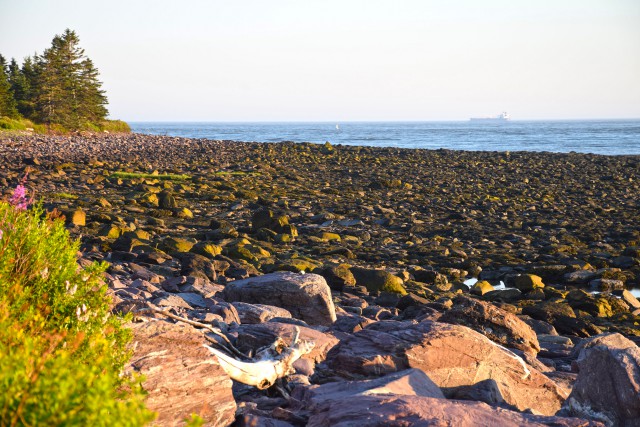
[377, 121]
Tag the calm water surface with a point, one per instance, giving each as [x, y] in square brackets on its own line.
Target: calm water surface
[595, 136]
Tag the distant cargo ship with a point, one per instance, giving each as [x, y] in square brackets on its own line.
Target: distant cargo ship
[504, 117]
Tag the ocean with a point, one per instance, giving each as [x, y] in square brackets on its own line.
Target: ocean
[612, 137]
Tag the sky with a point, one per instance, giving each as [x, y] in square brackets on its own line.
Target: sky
[347, 60]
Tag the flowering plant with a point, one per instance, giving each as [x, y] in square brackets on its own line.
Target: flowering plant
[19, 198]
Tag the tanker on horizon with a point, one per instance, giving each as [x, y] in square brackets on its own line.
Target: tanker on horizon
[504, 117]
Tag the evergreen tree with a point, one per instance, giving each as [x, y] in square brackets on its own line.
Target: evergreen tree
[22, 81]
[68, 91]
[92, 99]
[7, 101]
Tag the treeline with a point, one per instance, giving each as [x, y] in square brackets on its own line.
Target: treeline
[58, 90]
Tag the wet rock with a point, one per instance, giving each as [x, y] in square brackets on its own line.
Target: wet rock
[181, 376]
[306, 296]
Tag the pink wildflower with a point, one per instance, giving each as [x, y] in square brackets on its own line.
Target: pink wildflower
[19, 198]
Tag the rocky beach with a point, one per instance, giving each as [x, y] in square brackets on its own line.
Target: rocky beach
[416, 287]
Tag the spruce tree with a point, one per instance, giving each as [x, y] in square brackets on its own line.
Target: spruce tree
[22, 80]
[7, 101]
[68, 91]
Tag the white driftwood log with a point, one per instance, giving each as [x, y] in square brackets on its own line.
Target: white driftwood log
[269, 364]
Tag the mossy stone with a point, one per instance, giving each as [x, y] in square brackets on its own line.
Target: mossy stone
[331, 237]
[528, 282]
[177, 244]
[185, 213]
[206, 249]
[481, 288]
[110, 231]
[378, 280]
[78, 218]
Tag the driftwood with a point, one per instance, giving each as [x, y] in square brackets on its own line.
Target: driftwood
[270, 363]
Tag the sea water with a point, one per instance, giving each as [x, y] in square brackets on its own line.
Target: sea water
[612, 137]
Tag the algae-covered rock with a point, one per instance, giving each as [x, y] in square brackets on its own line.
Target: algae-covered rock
[177, 244]
[266, 218]
[207, 249]
[337, 276]
[481, 288]
[528, 282]
[378, 280]
[77, 217]
[110, 231]
[330, 237]
[166, 200]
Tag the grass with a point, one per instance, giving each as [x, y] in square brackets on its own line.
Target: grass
[20, 125]
[67, 196]
[162, 177]
[115, 126]
[62, 352]
[236, 173]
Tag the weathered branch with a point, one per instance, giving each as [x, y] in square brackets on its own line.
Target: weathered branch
[228, 347]
[273, 363]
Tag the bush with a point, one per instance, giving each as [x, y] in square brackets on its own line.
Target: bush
[8, 123]
[115, 126]
[61, 352]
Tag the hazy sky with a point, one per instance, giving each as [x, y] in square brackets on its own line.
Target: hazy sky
[346, 60]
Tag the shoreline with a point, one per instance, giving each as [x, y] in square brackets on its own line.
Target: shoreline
[392, 234]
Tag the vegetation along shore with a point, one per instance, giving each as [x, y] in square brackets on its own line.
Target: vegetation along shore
[356, 259]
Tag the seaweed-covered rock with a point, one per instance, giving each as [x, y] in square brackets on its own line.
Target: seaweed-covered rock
[378, 280]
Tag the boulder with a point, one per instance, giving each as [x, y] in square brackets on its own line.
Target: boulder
[378, 280]
[496, 324]
[181, 376]
[608, 380]
[451, 355]
[410, 382]
[306, 296]
[481, 287]
[337, 276]
[197, 266]
[400, 410]
[528, 282]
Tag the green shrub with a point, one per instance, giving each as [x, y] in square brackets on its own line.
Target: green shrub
[61, 352]
[115, 126]
[7, 123]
